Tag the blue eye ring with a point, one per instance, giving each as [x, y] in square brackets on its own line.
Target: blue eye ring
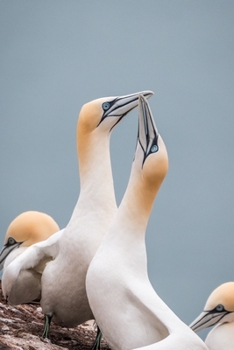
[11, 241]
[154, 148]
[219, 308]
[105, 106]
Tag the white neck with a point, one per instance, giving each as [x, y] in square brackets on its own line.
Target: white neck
[137, 203]
[96, 180]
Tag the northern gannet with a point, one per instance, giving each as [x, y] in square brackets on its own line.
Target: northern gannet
[25, 230]
[218, 312]
[63, 281]
[126, 307]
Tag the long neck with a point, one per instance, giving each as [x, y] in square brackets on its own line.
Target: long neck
[127, 231]
[137, 203]
[96, 178]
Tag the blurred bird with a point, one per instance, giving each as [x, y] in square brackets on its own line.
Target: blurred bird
[126, 308]
[218, 312]
[26, 229]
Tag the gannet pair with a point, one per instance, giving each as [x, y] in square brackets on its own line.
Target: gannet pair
[127, 309]
[218, 312]
[63, 281]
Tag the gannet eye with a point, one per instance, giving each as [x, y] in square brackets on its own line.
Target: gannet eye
[11, 241]
[219, 308]
[105, 106]
[154, 148]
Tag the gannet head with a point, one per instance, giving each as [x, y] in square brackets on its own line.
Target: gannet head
[26, 229]
[104, 113]
[218, 309]
[96, 121]
[151, 154]
[149, 166]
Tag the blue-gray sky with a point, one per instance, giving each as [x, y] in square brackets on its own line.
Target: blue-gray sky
[58, 54]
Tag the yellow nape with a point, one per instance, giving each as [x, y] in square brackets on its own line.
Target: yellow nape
[31, 227]
[224, 295]
[156, 166]
[90, 115]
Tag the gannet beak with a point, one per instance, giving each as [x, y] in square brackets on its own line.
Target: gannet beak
[6, 250]
[147, 130]
[207, 319]
[122, 105]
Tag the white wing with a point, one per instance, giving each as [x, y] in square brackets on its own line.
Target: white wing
[21, 279]
[180, 336]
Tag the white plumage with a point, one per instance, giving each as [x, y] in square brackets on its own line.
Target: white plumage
[63, 280]
[25, 230]
[127, 309]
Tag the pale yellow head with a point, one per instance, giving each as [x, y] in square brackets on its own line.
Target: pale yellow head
[221, 296]
[98, 118]
[106, 112]
[150, 165]
[31, 227]
[219, 308]
[26, 229]
[91, 115]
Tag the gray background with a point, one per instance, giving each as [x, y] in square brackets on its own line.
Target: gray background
[57, 55]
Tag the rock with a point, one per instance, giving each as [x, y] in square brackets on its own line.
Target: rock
[21, 328]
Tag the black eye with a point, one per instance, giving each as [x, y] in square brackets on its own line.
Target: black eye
[11, 241]
[105, 106]
[219, 308]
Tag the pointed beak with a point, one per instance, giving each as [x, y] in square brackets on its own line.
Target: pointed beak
[207, 319]
[6, 250]
[122, 105]
[147, 130]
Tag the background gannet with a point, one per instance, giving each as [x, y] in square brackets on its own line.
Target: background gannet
[63, 280]
[26, 229]
[126, 308]
[219, 311]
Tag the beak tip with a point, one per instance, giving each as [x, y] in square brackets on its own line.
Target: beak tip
[151, 93]
[147, 93]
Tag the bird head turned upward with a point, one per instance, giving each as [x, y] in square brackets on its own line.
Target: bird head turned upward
[26, 229]
[218, 309]
[150, 164]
